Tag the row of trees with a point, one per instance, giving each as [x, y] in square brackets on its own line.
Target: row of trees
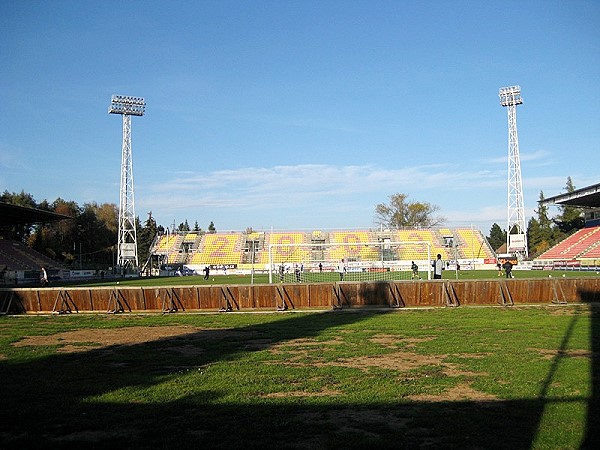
[89, 239]
[543, 232]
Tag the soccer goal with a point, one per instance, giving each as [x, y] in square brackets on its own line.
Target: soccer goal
[349, 261]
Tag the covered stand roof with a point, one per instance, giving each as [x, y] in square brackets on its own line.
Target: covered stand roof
[20, 215]
[587, 197]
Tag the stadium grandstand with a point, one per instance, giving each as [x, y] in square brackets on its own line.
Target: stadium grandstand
[20, 264]
[241, 252]
[581, 250]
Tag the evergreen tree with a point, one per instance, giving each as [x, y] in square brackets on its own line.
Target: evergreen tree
[540, 230]
[571, 218]
[497, 237]
[211, 227]
[146, 237]
[535, 241]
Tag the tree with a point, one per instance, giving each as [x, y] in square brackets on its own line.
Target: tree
[399, 213]
[211, 227]
[571, 218]
[540, 232]
[146, 237]
[497, 236]
[97, 228]
[535, 242]
[19, 232]
[56, 239]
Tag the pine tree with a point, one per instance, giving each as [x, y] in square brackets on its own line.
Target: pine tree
[146, 237]
[540, 230]
[571, 218]
[497, 237]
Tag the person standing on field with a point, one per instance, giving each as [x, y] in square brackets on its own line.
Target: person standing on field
[342, 270]
[508, 269]
[438, 266]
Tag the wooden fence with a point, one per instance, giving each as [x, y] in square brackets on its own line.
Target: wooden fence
[391, 294]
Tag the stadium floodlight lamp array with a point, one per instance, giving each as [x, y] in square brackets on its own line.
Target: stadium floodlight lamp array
[127, 105]
[510, 96]
[516, 237]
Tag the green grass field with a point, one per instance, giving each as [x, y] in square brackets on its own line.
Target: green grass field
[486, 377]
[264, 278]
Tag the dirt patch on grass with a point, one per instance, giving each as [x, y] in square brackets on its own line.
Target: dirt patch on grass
[393, 341]
[322, 393]
[558, 353]
[93, 338]
[459, 392]
[569, 310]
[300, 354]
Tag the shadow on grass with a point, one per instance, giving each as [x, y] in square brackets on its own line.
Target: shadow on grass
[592, 439]
[45, 403]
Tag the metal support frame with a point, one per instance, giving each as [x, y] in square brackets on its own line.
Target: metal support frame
[65, 303]
[227, 303]
[338, 302]
[116, 296]
[558, 299]
[396, 301]
[169, 301]
[7, 300]
[449, 295]
[510, 97]
[282, 295]
[505, 297]
[127, 240]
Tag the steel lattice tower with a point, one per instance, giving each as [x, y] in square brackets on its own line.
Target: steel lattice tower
[516, 232]
[127, 242]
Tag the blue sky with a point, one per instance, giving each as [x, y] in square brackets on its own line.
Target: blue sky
[299, 114]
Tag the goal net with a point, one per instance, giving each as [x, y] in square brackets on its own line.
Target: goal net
[349, 261]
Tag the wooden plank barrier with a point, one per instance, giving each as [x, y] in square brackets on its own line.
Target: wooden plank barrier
[281, 297]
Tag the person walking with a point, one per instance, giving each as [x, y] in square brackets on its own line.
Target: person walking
[44, 277]
[415, 271]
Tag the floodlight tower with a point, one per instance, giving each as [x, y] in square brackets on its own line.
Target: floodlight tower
[516, 234]
[127, 244]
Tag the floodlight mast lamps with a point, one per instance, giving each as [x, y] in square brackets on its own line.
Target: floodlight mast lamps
[510, 97]
[127, 242]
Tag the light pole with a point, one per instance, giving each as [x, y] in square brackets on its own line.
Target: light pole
[127, 242]
[516, 242]
[253, 253]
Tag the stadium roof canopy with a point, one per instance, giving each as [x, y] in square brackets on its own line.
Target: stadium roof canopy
[20, 215]
[587, 197]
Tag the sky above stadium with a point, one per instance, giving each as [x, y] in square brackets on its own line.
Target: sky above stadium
[299, 114]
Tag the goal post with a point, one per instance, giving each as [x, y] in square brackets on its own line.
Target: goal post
[349, 261]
